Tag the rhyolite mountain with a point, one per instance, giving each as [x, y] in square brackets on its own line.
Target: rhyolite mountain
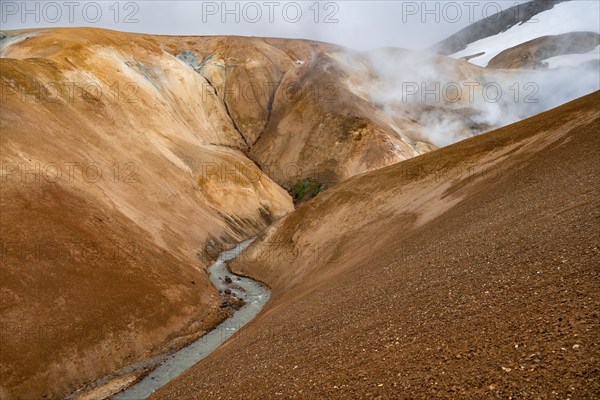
[130, 160]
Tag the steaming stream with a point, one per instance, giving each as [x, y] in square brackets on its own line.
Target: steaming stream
[255, 297]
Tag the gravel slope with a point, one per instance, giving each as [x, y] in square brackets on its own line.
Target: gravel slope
[489, 289]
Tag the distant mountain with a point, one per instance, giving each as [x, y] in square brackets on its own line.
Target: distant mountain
[568, 49]
[534, 34]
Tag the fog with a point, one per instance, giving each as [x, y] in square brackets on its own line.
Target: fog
[453, 101]
[360, 25]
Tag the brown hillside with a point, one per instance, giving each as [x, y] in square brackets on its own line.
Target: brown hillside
[128, 161]
[285, 103]
[469, 272]
[142, 142]
[113, 202]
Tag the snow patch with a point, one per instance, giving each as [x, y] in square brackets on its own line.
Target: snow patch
[570, 16]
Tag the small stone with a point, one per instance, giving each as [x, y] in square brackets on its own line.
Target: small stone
[505, 369]
[576, 346]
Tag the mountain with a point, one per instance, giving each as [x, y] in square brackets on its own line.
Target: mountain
[119, 184]
[534, 34]
[468, 272]
[129, 161]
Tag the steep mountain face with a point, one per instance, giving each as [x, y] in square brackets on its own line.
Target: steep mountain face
[467, 272]
[507, 39]
[119, 184]
[324, 129]
[288, 102]
[493, 25]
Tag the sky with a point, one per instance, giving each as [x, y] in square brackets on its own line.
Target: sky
[360, 25]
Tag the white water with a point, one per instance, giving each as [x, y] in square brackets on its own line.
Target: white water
[255, 296]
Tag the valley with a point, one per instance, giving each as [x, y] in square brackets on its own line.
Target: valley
[199, 217]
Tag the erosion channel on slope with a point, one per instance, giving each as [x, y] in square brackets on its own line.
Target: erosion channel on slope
[254, 295]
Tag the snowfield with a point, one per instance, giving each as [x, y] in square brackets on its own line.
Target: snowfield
[571, 16]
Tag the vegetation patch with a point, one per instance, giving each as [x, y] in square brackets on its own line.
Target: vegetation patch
[305, 189]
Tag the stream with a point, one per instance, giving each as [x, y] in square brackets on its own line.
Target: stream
[254, 295]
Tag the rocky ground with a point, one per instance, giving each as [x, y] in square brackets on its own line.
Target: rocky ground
[488, 288]
[230, 302]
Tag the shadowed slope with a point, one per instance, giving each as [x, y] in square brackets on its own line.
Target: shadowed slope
[494, 24]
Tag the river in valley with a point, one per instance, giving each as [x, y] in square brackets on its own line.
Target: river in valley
[254, 295]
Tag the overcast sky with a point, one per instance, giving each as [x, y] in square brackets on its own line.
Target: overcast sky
[361, 25]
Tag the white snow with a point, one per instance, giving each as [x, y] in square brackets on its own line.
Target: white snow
[570, 16]
[573, 60]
